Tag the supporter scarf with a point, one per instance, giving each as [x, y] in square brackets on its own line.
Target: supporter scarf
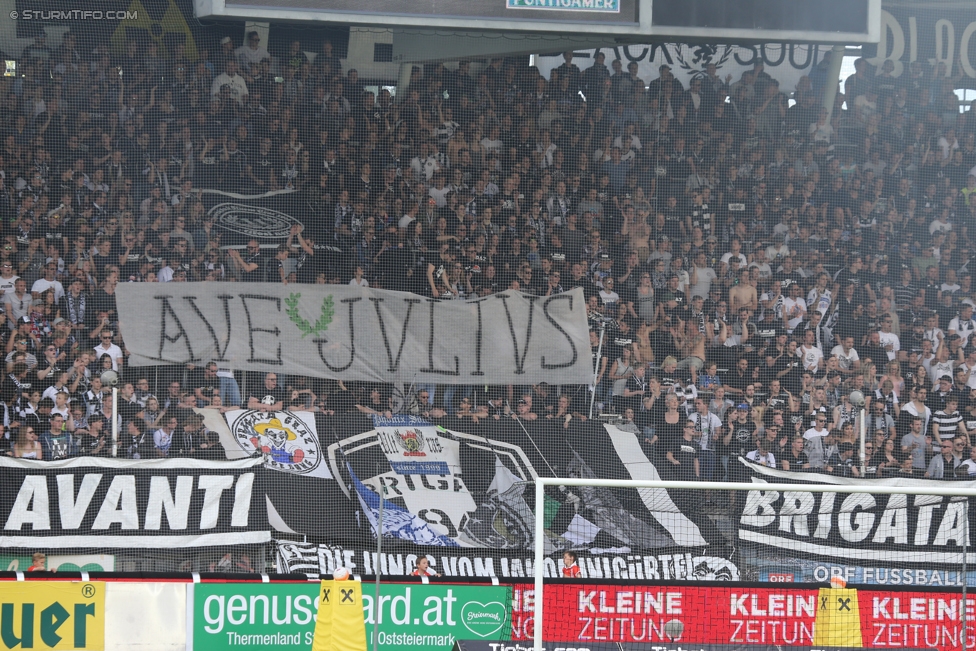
[76, 308]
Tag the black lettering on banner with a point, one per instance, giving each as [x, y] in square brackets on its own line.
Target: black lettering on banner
[168, 312]
[631, 57]
[430, 350]
[442, 520]
[227, 321]
[251, 329]
[352, 339]
[616, 52]
[478, 337]
[394, 364]
[742, 50]
[555, 324]
[389, 485]
[770, 62]
[442, 484]
[664, 53]
[811, 50]
[519, 359]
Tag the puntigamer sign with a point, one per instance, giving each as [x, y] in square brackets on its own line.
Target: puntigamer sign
[282, 616]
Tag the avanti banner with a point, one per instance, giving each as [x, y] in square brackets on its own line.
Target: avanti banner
[161, 503]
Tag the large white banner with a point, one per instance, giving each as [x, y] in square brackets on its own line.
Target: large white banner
[784, 62]
[358, 334]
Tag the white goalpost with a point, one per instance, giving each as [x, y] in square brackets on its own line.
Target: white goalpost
[890, 488]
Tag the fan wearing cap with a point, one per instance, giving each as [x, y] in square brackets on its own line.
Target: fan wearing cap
[941, 390]
[816, 441]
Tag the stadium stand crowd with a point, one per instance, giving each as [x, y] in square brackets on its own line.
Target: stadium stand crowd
[748, 257]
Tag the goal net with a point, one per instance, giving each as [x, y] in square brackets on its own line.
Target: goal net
[890, 532]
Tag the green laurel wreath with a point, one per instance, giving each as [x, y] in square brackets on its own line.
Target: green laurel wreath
[321, 325]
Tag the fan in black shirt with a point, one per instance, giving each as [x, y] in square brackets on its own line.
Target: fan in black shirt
[270, 397]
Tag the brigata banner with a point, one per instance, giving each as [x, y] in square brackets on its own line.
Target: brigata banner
[881, 532]
[359, 334]
[641, 615]
[55, 616]
[229, 616]
[157, 503]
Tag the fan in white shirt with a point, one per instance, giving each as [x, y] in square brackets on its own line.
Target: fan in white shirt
[963, 325]
[110, 349]
[811, 356]
[889, 340]
[847, 358]
[794, 308]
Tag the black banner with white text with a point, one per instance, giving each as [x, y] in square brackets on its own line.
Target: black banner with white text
[165, 503]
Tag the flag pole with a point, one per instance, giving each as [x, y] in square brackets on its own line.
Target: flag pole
[377, 610]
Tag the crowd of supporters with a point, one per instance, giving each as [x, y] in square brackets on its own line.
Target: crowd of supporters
[748, 256]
